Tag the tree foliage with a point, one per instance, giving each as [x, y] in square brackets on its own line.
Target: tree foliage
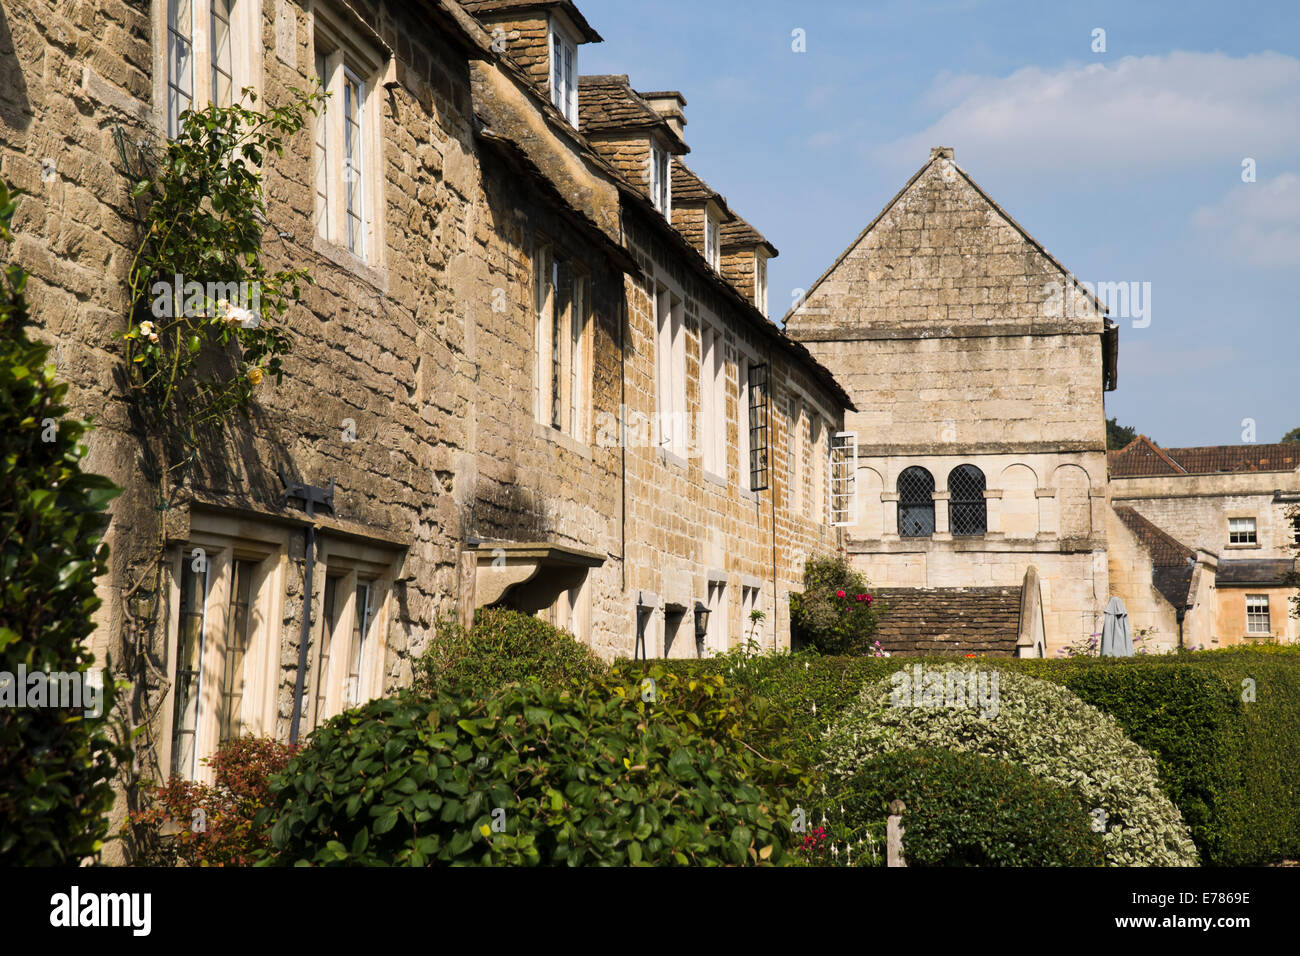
[56, 764]
[1117, 435]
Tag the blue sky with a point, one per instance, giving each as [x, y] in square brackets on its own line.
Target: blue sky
[1126, 165]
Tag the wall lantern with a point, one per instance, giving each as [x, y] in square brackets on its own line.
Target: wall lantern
[701, 621]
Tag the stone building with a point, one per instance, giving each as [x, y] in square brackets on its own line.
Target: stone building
[1218, 529]
[522, 376]
[978, 366]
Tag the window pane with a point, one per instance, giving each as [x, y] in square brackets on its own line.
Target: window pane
[222, 71]
[328, 604]
[237, 638]
[322, 155]
[966, 508]
[356, 647]
[189, 661]
[353, 161]
[563, 281]
[577, 356]
[915, 503]
[180, 62]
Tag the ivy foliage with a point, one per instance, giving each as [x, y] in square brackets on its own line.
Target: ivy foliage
[608, 774]
[56, 765]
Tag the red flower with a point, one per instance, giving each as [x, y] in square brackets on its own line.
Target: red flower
[970, 655]
[868, 598]
[859, 597]
[839, 594]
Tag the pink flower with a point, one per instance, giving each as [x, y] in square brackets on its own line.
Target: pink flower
[839, 594]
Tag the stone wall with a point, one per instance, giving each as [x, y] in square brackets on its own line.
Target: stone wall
[954, 334]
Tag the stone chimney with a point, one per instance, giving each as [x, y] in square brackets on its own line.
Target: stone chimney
[671, 105]
[941, 152]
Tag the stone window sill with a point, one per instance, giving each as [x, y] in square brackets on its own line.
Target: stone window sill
[670, 457]
[345, 260]
[557, 437]
[716, 479]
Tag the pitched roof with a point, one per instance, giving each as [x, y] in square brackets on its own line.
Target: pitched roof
[1172, 562]
[688, 187]
[1142, 458]
[1256, 572]
[949, 621]
[740, 233]
[607, 103]
[937, 154]
[480, 8]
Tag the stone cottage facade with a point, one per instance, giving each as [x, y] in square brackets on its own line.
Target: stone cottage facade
[1220, 528]
[978, 366]
[521, 376]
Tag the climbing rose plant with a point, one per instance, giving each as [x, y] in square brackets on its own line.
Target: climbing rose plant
[205, 310]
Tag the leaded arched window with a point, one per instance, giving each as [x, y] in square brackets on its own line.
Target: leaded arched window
[966, 505]
[915, 503]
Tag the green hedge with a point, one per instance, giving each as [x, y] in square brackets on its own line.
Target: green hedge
[503, 647]
[1232, 767]
[607, 774]
[56, 763]
[964, 809]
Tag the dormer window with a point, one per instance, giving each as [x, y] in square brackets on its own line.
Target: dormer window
[760, 282]
[712, 232]
[660, 181]
[564, 73]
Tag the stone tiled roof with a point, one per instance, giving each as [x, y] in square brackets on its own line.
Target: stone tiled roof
[689, 188]
[949, 621]
[1257, 572]
[607, 102]
[1172, 562]
[740, 233]
[482, 8]
[1143, 458]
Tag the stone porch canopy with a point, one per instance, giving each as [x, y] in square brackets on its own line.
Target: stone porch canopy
[528, 575]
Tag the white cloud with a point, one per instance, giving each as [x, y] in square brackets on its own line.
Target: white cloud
[1256, 224]
[1131, 116]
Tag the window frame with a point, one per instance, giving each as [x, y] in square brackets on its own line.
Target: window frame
[1243, 538]
[909, 505]
[967, 505]
[1253, 615]
[353, 565]
[661, 180]
[716, 638]
[712, 240]
[562, 341]
[349, 61]
[843, 479]
[670, 373]
[563, 89]
[713, 400]
[751, 599]
[245, 65]
[760, 282]
[225, 542]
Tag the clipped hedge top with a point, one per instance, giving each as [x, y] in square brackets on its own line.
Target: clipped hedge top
[965, 809]
[1036, 724]
[529, 775]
